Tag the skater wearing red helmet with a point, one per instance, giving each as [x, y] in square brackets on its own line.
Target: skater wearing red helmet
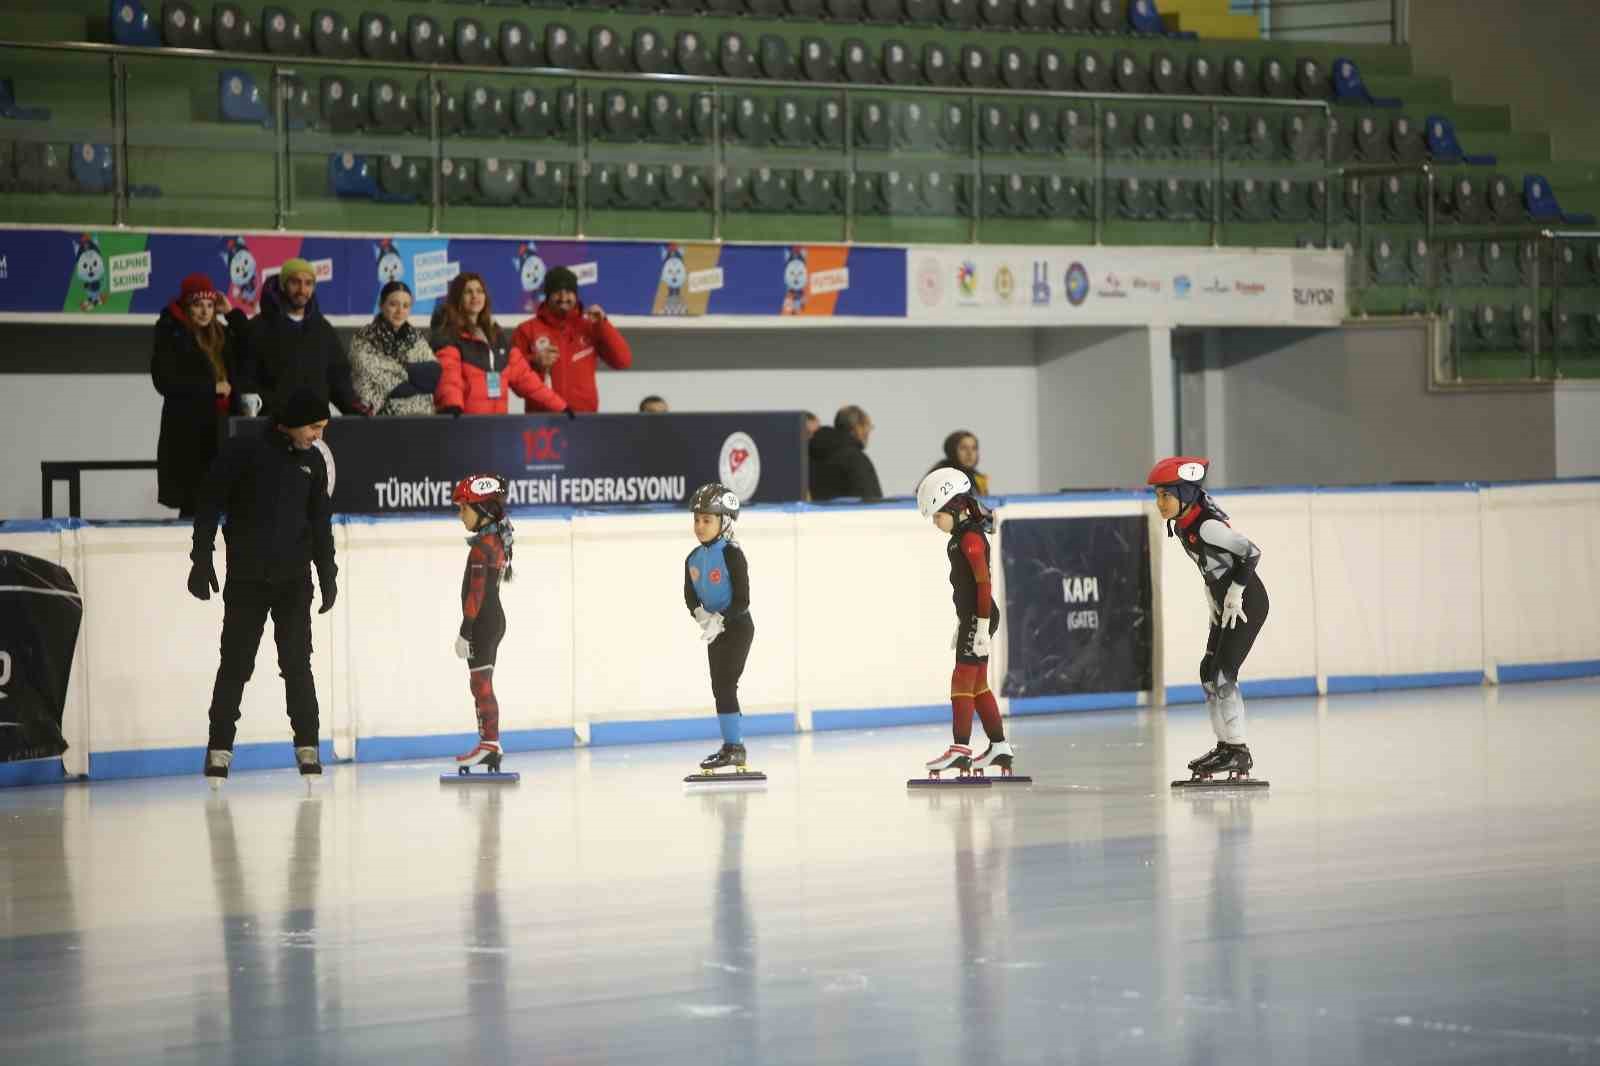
[946, 495]
[481, 499]
[1236, 602]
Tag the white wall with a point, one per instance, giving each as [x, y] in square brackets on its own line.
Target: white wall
[1095, 414]
[1577, 429]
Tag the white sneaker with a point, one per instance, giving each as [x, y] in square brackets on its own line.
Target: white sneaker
[956, 757]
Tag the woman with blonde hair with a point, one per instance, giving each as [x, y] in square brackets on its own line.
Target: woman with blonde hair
[479, 367]
[191, 359]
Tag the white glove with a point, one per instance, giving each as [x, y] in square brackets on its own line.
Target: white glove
[250, 404]
[1211, 604]
[1233, 606]
[463, 648]
[701, 616]
[712, 629]
[980, 639]
[955, 638]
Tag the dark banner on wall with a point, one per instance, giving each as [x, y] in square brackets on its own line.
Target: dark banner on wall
[1077, 605]
[40, 612]
[410, 464]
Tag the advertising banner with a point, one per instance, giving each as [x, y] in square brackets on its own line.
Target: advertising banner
[385, 465]
[128, 272]
[1131, 286]
[1077, 606]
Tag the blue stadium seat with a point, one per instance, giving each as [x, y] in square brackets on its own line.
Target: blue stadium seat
[1144, 18]
[241, 100]
[1542, 206]
[351, 177]
[9, 108]
[132, 26]
[1348, 88]
[92, 167]
[1445, 148]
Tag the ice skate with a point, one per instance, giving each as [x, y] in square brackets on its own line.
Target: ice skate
[216, 766]
[309, 761]
[726, 764]
[998, 756]
[957, 758]
[1194, 763]
[487, 755]
[1234, 760]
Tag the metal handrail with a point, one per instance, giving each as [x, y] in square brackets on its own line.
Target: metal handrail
[283, 67]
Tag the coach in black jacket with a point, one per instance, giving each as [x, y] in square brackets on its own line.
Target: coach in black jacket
[290, 345]
[274, 489]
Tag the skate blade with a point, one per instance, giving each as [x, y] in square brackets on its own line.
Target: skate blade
[215, 783]
[968, 781]
[1214, 783]
[504, 777]
[725, 779]
[1010, 779]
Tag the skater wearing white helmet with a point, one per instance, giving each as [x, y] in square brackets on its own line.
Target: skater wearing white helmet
[1236, 602]
[481, 503]
[716, 590]
[947, 497]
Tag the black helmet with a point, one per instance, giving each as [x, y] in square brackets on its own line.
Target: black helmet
[718, 499]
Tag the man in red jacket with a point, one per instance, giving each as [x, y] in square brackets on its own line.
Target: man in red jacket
[565, 338]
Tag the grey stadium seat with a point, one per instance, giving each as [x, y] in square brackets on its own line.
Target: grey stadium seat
[1247, 200]
[605, 49]
[1273, 79]
[664, 119]
[734, 57]
[281, 32]
[649, 52]
[938, 67]
[860, 66]
[1065, 197]
[843, 10]
[401, 180]
[959, 14]
[816, 60]
[560, 46]
[997, 129]
[775, 60]
[390, 106]
[1166, 77]
[1406, 140]
[1152, 133]
[685, 188]
[899, 68]
[381, 38]
[887, 12]
[771, 190]
[1036, 14]
[424, 40]
[1205, 77]
[499, 181]
[1054, 74]
[1237, 78]
[639, 187]
[1016, 68]
[692, 56]
[1372, 140]
[1310, 80]
[976, 68]
[485, 110]
[955, 128]
[531, 113]
[922, 12]
[1072, 16]
[1128, 72]
[459, 179]
[872, 125]
[1108, 16]
[1116, 131]
[998, 14]
[752, 122]
[1075, 125]
[618, 118]
[546, 184]
[1037, 128]
[181, 27]
[1093, 72]
[343, 109]
[517, 45]
[472, 45]
[232, 30]
[914, 124]
[1135, 199]
[795, 123]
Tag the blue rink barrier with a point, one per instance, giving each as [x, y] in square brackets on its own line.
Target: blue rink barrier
[172, 762]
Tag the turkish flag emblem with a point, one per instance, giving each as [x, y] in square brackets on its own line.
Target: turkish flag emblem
[716, 577]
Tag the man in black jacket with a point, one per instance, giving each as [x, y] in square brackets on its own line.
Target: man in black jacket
[290, 345]
[274, 489]
[839, 463]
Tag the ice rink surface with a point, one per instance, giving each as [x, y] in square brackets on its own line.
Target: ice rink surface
[1421, 884]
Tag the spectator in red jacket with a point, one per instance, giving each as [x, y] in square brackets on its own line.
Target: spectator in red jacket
[565, 338]
[479, 365]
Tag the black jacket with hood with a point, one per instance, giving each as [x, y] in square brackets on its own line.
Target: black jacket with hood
[840, 467]
[191, 418]
[280, 355]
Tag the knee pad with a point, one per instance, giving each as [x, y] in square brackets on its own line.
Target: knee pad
[1208, 675]
[1227, 687]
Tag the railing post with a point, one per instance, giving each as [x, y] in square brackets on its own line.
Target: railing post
[1555, 304]
[1216, 178]
[1099, 221]
[436, 153]
[1327, 175]
[581, 101]
[976, 144]
[281, 172]
[1534, 374]
[851, 176]
[119, 128]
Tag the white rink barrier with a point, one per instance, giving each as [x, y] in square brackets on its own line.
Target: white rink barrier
[1370, 588]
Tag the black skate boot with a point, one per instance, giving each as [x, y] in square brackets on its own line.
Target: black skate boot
[309, 761]
[1194, 764]
[727, 755]
[1233, 760]
[216, 766]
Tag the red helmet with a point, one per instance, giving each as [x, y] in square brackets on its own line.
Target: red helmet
[487, 489]
[1179, 470]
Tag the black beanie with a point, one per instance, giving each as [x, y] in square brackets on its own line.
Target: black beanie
[301, 408]
[560, 280]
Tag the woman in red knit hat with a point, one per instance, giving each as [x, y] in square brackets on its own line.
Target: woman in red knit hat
[193, 352]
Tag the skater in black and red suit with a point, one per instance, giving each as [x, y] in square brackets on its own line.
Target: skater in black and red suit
[1236, 601]
[947, 497]
[482, 502]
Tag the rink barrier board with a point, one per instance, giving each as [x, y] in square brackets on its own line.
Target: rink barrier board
[702, 727]
[1271, 688]
[1339, 684]
[1549, 671]
[440, 745]
[879, 717]
[1086, 701]
[173, 762]
[32, 772]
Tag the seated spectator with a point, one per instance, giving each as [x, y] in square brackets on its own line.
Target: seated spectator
[193, 352]
[961, 452]
[565, 339]
[839, 464]
[653, 405]
[478, 363]
[391, 363]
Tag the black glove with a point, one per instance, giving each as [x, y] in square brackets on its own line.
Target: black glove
[424, 376]
[453, 412]
[405, 390]
[203, 580]
[572, 416]
[330, 592]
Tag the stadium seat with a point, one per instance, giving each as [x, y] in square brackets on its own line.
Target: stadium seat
[977, 69]
[1247, 200]
[735, 59]
[1540, 200]
[401, 180]
[499, 181]
[181, 26]
[1062, 197]
[1264, 135]
[300, 109]
[1348, 88]
[1128, 72]
[1116, 131]
[650, 52]
[1016, 68]
[1406, 141]
[959, 14]
[1191, 134]
[1237, 78]
[922, 12]
[1272, 79]
[1419, 262]
[381, 38]
[132, 26]
[1165, 75]
[997, 14]
[771, 190]
[92, 168]
[1108, 16]
[43, 168]
[1204, 76]
[1504, 204]
[817, 192]
[390, 109]
[883, 12]
[793, 125]
[1072, 16]
[765, 9]
[1231, 134]
[1019, 196]
[531, 113]
[1037, 130]
[1152, 134]
[547, 184]
[561, 46]
[1386, 261]
[997, 129]
[239, 99]
[1524, 326]
[1035, 14]
[1461, 265]
[424, 42]
[605, 186]
[703, 118]
[1310, 81]
[955, 128]
[232, 30]
[692, 56]
[350, 177]
[775, 60]
[940, 194]
[343, 109]
[1075, 127]
[1372, 141]
[1304, 137]
[281, 32]
[1490, 328]
[459, 180]
[640, 187]
[860, 66]
[938, 68]
[472, 45]
[736, 191]
[331, 37]
[1135, 199]
[751, 123]
[664, 119]
[1093, 73]
[1183, 199]
[685, 188]
[485, 110]
[1400, 198]
[444, 103]
[1054, 74]
[1498, 260]
[871, 125]
[843, 10]
[1341, 138]
[1446, 148]
[517, 46]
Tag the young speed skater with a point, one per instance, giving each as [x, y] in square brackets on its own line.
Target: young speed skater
[716, 589]
[1236, 602]
[481, 499]
[946, 496]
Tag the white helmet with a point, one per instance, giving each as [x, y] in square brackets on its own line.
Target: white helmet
[939, 488]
